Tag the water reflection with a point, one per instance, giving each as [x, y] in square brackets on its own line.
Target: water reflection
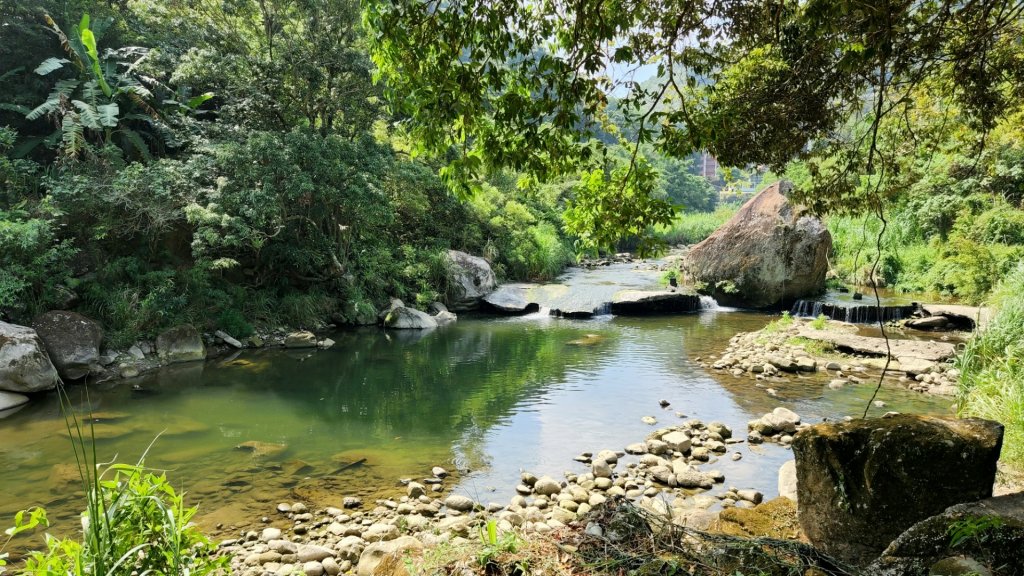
[486, 397]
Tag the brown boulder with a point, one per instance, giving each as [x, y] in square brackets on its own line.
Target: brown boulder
[71, 340]
[862, 483]
[769, 254]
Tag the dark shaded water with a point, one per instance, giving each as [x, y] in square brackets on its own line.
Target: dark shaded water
[485, 396]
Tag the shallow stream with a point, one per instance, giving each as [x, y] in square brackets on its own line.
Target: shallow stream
[486, 397]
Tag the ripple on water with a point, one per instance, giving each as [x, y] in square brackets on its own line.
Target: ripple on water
[487, 397]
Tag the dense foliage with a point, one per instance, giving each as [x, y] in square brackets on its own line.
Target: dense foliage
[992, 365]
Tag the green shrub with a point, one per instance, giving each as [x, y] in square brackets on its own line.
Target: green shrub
[992, 367]
[692, 227]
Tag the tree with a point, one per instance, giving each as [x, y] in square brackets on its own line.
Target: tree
[751, 81]
[283, 63]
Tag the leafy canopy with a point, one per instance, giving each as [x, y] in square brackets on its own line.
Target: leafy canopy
[506, 83]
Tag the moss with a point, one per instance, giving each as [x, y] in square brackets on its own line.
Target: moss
[775, 518]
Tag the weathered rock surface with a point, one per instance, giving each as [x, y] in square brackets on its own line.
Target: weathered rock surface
[71, 340]
[300, 339]
[998, 540]
[511, 299]
[473, 279]
[787, 480]
[649, 302]
[861, 483]
[899, 349]
[24, 365]
[11, 400]
[375, 553]
[769, 254]
[402, 318]
[180, 344]
[960, 317]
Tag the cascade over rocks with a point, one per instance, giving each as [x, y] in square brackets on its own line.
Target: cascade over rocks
[473, 279]
[71, 340]
[24, 365]
[769, 254]
[862, 483]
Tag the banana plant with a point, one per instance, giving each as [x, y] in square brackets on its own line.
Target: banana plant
[106, 101]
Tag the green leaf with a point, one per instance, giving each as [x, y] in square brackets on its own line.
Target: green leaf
[88, 114]
[50, 65]
[89, 41]
[198, 100]
[108, 114]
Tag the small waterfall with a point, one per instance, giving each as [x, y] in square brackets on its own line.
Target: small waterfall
[709, 303]
[852, 314]
[603, 309]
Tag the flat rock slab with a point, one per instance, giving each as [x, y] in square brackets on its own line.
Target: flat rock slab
[978, 317]
[650, 302]
[899, 349]
[512, 299]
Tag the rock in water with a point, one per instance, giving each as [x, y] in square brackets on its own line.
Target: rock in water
[71, 340]
[861, 483]
[402, 318]
[180, 344]
[769, 254]
[24, 365]
[300, 339]
[473, 279]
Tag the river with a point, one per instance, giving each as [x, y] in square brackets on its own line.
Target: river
[485, 398]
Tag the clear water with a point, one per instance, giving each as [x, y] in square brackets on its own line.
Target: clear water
[486, 397]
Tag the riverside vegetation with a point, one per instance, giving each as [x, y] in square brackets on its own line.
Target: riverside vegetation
[235, 165]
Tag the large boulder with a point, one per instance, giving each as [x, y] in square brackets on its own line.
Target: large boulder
[180, 344]
[989, 532]
[71, 340]
[24, 365]
[769, 254]
[402, 318]
[472, 279]
[862, 483]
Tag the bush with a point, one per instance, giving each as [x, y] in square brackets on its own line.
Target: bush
[992, 367]
[692, 227]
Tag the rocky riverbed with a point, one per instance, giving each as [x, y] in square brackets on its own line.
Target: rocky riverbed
[664, 474]
[793, 347]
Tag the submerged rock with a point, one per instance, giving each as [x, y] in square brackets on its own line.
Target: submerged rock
[861, 483]
[24, 365]
[472, 278]
[71, 340]
[770, 253]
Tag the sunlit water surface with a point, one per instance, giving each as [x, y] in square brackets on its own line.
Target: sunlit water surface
[484, 398]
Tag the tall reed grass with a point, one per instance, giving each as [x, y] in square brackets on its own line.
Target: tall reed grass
[692, 227]
[992, 368]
